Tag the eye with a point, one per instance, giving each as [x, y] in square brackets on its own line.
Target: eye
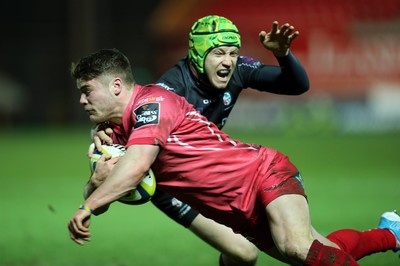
[86, 91]
[235, 54]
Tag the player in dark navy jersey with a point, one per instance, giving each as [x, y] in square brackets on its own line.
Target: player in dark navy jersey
[211, 78]
[214, 90]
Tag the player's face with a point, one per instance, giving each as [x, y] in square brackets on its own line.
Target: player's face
[220, 64]
[97, 99]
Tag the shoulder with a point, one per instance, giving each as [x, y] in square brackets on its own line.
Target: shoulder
[153, 93]
[245, 62]
[177, 79]
[153, 89]
[246, 69]
[175, 73]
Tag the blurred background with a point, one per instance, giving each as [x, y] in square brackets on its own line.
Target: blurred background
[350, 49]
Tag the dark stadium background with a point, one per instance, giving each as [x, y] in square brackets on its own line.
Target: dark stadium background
[349, 48]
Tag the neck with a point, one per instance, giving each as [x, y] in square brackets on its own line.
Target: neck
[121, 102]
[201, 78]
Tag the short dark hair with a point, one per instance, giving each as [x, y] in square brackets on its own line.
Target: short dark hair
[105, 61]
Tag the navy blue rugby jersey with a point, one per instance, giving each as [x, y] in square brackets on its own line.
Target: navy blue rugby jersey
[289, 78]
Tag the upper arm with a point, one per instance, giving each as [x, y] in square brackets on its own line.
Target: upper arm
[141, 156]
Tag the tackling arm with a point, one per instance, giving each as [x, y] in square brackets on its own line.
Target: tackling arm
[290, 77]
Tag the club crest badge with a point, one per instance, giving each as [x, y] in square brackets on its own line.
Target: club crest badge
[227, 98]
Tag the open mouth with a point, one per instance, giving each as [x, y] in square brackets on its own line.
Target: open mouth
[223, 73]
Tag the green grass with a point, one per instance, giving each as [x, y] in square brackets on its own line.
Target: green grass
[350, 180]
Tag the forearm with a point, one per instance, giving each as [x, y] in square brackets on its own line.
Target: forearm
[111, 190]
[88, 189]
[289, 78]
[123, 178]
[293, 75]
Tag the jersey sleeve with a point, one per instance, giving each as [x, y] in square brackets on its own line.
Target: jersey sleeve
[289, 78]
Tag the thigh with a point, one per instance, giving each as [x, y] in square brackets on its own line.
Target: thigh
[290, 225]
[289, 220]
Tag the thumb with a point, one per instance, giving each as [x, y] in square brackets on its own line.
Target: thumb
[262, 36]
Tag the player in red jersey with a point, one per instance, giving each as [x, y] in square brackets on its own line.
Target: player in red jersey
[211, 77]
[253, 189]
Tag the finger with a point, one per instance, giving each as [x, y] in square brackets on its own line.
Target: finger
[76, 236]
[262, 35]
[86, 223]
[274, 28]
[102, 135]
[294, 36]
[91, 150]
[104, 157]
[78, 239]
[284, 28]
[97, 143]
[75, 239]
[289, 31]
[108, 131]
[78, 228]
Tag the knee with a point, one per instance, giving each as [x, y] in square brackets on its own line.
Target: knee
[295, 251]
[249, 255]
[244, 256]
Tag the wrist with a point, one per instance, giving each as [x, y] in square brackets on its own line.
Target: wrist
[86, 208]
[281, 53]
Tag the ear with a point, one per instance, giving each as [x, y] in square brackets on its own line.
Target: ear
[117, 85]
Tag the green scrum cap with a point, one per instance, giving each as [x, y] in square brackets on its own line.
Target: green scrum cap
[210, 32]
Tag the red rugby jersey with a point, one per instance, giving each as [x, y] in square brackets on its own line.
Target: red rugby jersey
[197, 163]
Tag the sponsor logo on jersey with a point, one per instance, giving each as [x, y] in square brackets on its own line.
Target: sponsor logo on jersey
[151, 99]
[227, 98]
[147, 114]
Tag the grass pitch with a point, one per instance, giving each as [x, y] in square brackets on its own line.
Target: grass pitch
[350, 180]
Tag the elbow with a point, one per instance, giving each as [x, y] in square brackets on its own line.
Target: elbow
[303, 90]
[294, 84]
[298, 91]
[302, 87]
[138, 175]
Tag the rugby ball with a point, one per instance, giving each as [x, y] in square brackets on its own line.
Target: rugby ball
[146, 188]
